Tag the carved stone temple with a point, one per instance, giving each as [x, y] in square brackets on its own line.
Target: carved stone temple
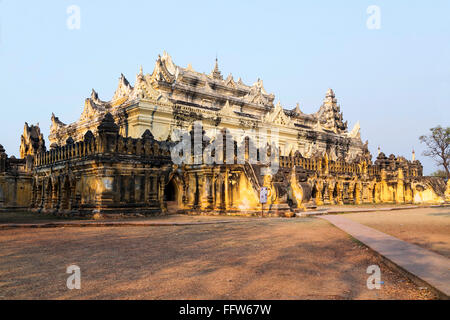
[118, 158]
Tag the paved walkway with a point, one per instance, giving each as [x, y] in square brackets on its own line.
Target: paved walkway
[343, 209]
[430, 267]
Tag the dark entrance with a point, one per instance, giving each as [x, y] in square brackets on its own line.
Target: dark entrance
[170, 192]
[171, 197]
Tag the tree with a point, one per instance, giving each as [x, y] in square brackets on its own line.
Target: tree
[440, 174]
[438, 147]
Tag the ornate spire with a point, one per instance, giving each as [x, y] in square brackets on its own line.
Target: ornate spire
[94, 95]
[330, 93]
[123, 80]
[413, 155]
[297, 109]
[216, 74]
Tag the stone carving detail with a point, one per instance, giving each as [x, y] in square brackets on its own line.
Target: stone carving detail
[311, 150]
[227, 110]
[258, 95]
[164, 69]
[216, 74]
[355, 133]
[91, 110]
[229, 81]
[123, 89]
[56, 124]
[277, 116]
[329, 114]
[32, 141]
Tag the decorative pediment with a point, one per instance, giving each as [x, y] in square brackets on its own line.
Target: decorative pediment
[95, 99]
[258, 95]
[164, 69]
[318, 126]
[297, 110]
[229, 82]
[227, 110]
[32, 141]
[123, 89]
[145, 90]
[90, 111]
[56, 124]
[355, 133]
[277, 116]
[260, 86]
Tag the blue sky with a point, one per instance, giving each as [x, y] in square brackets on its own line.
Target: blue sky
[395, 80]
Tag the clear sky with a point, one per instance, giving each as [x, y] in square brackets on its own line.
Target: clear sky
[395, 80]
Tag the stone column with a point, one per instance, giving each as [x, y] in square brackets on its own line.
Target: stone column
[358, 193]
[154, 187]
[227, 195]
[207, 198]
[104, 198]
[161, 187]
[340, 192]
[400, 194]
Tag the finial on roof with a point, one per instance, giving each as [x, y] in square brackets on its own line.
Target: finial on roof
[379, 151]
[94, 95]
[141, 71]
[330, 93]
[413, 155]
[124, 80]
[216, 66]
[216, 74]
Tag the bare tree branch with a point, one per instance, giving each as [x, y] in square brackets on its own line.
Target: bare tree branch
[438, 144]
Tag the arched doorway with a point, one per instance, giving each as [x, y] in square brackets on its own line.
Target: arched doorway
[171, 196]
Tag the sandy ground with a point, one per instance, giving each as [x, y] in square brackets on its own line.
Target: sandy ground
[303, 258]
[29, 217]
[425, 227]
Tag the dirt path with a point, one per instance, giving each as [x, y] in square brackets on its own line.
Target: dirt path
[263, 259]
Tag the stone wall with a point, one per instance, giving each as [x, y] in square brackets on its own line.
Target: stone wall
[108, 174]
[103, 174]
[15, 182]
